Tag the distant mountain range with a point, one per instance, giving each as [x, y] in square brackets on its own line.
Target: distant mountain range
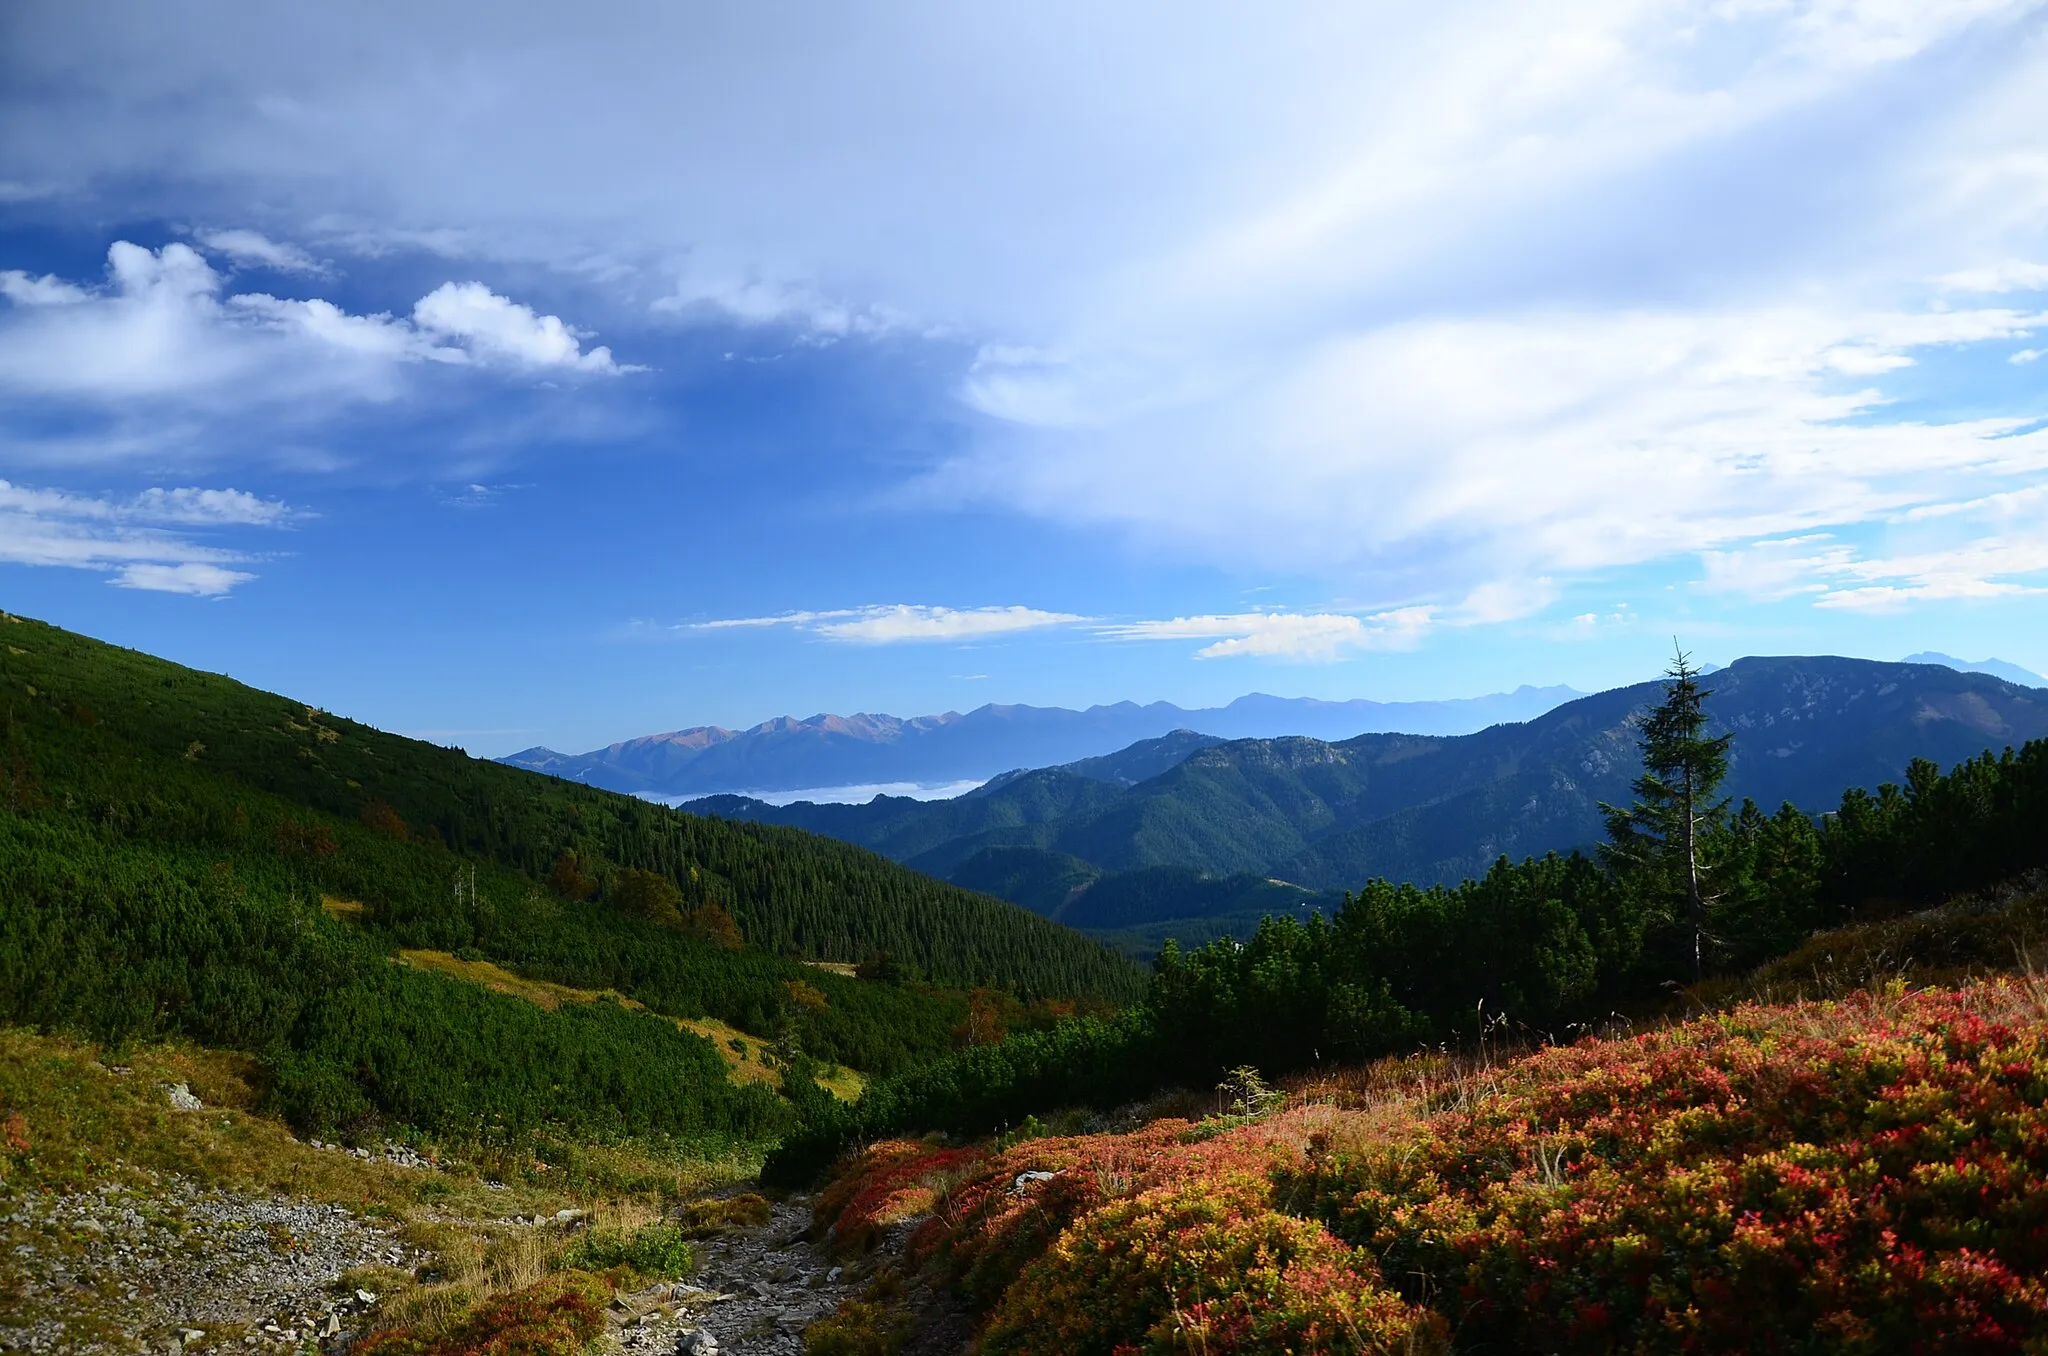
[1215, 827]
[1997, 668]
[788, 754]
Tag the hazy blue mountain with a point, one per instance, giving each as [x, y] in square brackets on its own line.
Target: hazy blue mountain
[1997, 668]
[1313, 816]
[789, 754]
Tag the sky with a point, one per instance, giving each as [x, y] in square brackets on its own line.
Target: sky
[557, 374]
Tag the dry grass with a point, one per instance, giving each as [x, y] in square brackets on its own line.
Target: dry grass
[843, 968]
[538, 992]
[745, 1056]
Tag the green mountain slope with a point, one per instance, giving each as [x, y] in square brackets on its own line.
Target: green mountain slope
[183, 855]
[792, 893]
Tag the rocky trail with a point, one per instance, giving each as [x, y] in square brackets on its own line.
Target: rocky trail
[171, 1266]
[177, 1269]
[754, 1291]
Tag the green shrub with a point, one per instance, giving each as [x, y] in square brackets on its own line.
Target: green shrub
[660, 1250]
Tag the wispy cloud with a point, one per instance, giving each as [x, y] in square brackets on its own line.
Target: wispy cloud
[194, 578]
[254, 248]
[2013, 275]
[132, 540]
[1307, 637]
[898, 623]
[1995, 546]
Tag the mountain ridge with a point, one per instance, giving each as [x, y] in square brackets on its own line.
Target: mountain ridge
[792, 753]
[1432, 808]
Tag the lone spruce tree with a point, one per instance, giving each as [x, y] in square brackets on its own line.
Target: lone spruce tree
[1658, 839]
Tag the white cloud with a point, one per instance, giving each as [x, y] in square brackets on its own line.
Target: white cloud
[186, 505]
[252, 247]
[900, 622]
[2026, 355]
[1319, 636]
[162, 330]
[498, 327]
[749, 299]
[208, 507]
[198, 580]
[132, 539]
[2014, 275]
[48, 290]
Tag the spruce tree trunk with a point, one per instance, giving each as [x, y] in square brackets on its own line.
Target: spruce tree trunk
[1695, 908]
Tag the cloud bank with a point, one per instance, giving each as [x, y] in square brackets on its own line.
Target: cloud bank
[1425, 301]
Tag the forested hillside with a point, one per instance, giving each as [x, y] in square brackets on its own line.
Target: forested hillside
[182, 855]
[791, 893]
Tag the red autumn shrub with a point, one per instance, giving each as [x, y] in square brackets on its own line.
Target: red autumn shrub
[1864, 1176]
[887, 1184]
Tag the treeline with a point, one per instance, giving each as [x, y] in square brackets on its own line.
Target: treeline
[1539, 946]
[790, 893]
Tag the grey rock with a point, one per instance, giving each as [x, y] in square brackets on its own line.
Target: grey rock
[696, 1342]
[181, 1097]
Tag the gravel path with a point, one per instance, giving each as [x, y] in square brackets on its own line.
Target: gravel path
[119, 1270]
[754, 1293]
[177, 1269]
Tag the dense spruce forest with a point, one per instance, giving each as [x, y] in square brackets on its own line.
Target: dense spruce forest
[181, 855]
[1535, 949]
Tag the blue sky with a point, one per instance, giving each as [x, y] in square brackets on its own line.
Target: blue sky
[565, 375]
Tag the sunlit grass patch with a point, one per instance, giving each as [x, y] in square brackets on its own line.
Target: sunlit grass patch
[747, 1057]
[539, 992]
